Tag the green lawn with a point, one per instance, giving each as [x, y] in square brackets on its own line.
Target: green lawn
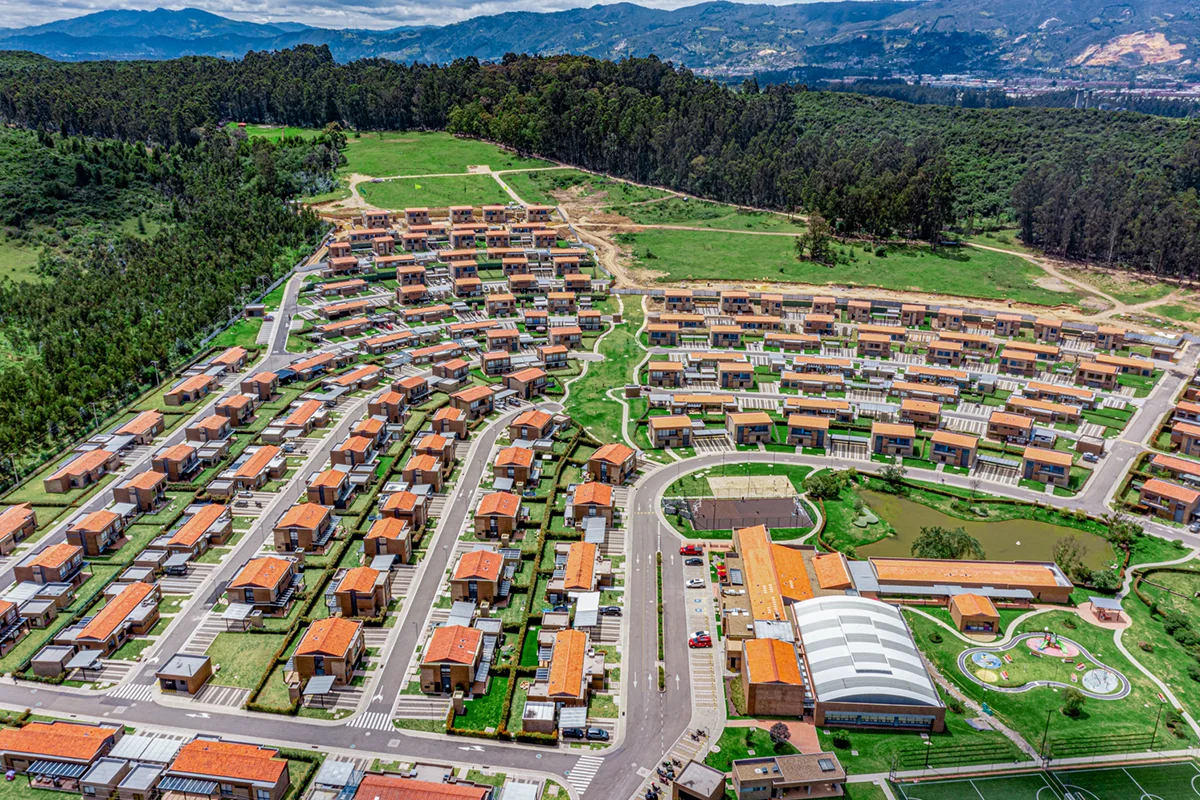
[735, 744]
[1127, 290]
[484, 712]
[18, 789]
[434, 192]
[243, 657]
[17, 262]
[244, 332]
[422, 153]
[276, 132]
[703, 214]
[587, 403]
[540, 187]
[1176, 311]
[702, 256]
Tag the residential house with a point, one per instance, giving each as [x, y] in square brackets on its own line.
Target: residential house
[143, 428]
[1005, 427]
[49, 751]
[82, 470]
[527, 383]
[57, 563]
[807, 430]
[671, 431]
[190, 389]
[573, 672]
[819, 325]
[945, 353]
[1018, 362]
[949, 319]
[892, 440]
[921, 413]
[665, 373]
[515, 463]
[1170, 501]
[330, 487]
[749, 427]
[425, 470]
[1185, 437]
[824, 304]
[1109, 338]
[477, 576]
[414, 389]
[1008, 324]
[305, 417]
[308, 527]
[858, 310]
[679, 300]
[407, 506]
[874, 345]
[451, 656]
[144, 491]
[17, 523]
[178, 462]
[390, 536]
[531, 425]
[450, 422]
[241, 771]
[553, 356]
[912, 315]
[725, 335]
[1046, 466]
[612, 463]
[501, 304]
[363, 592]
[453, 372]
[663, 335]
[262, 385]
[132, 612]
[497, 514]
[735, 302]
[1047, 330]
[954, 449]
[261, 465]
[476, 402]
[97, 532]
[1097, 375]
[570, 336]
[209, 525]
[268, 583]
[213, 428]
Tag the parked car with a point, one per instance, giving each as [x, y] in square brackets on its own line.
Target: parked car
[610, 611]
[695, 583]
[245, 493]
[573, 733]
[597, 734]
[1090, 458]
[690, 550]
[700, 641]
[694, 562]
[1194, 527]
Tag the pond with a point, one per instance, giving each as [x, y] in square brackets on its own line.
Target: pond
[1007, 540]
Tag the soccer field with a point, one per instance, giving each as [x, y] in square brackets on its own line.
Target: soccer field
[1174, 781]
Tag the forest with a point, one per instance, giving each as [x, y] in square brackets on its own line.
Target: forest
[122, 309]
[872, 165]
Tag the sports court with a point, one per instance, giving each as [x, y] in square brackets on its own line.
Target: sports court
[720, 513]
[1171, 781]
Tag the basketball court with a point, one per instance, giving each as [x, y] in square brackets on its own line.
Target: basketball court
[1168, 781]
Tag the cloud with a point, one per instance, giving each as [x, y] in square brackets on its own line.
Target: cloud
[371, 14]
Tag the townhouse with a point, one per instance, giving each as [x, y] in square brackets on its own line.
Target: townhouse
[570, 336]
[893, 440]
[497, 514]
[451, 656]
[725, 335]
[262, 385]
[450, 422]
[920, 413]
[807, 430]
[1005, 427]
[269, 584]
[389, 536]
[363, 592]
[663, 334]
[81, 470]
[526, 383]
[17, 523]
[591, 500]
[674, 430]
[145, 491]
[553, 356]
[407, 506]
[308, 527]
[57, 563]
[531, 425]
[1046, 466]
[211, 768]
[143, 427]
[189, 390]
[475, 403]
[735, 375]
[749, 427]
[1097, 376]
[97, 532]
[668, 374]
[210, 524]
[954, 449]
[613, 463]
[1170, 501]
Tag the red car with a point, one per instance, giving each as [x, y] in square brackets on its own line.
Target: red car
[690, 550]
[700, 641]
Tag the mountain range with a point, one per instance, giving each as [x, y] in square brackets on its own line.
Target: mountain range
[876, 36]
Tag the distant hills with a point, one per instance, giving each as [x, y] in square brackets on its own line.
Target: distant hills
[883, 36]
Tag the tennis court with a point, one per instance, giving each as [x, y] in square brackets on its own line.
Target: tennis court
[1173, 781]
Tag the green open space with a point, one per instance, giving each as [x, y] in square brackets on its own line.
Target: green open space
[243, 657]
[484, 712]
[738, 743]
[243, 333]
[704, 214]
[547, 186]
[17, 262]
[704, 256]
[1176, 311]
[1169, 780]
[275, 132]
[1127, 289]
[587, 402]
[401, 193]
[381, 154]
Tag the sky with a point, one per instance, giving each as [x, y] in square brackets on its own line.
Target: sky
[376, 14]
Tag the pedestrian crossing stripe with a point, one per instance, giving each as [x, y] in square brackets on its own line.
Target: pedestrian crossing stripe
[375, 720]
[580, 777]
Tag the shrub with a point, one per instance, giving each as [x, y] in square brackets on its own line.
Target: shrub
[1073, 701]
[841, 739]
[1069, 623]
[1146, 646]
[935, 637]
[955, 706]
[1193, 671]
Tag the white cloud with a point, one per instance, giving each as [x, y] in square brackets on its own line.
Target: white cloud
[372, 14]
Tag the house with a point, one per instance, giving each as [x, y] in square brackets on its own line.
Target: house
[1042, 410]
[838, 410]
[414, 388]
[955, 449]
[82, 470]
[17, 523]
[531, 425]
[184, 673]
[671, 431]
[790, 776]
[892, 440]
[501, 304]
[330, 487]
[566, 335]
[560, 302]
[912, 315]
[343, 288]
[1065, 395]
[1046, 466]
[735, 302]
[262, 385]
[342, 265]
[1005, 427]
[475, 402]
[824, 304]
[921, 413]
[477, 576]
[698, 781]
[450, 659]
[1109, 338]
[725, 335]
[58, 563]
[389, 406]
[497, 514]
[515, 463]
[438, 446]
[364, 377]
[339, 249]
[522, 283]
[226, 769]
[679, 300]
[97, 532]
[735, 375]
[874, 345]
[349, 308]
[268, 583]
[612, 463]
[190, 389]
[1097, 375]
[1044, 352]
[453, 372]
[261, 465]
[468, 287]
[665, 373]
[858, 310]
[944, 353]
[819, 325]
[406, 506]
[145, 491]
[210, 525]
[414, 275]
[416, 216]
[974, 613]
[48, 752]
[450, 422]
[363, 592]
[1018, 362]
[1185, 437]
[425, 470]
[527, 383]
[572, 673]
[592, 499]
[582, 572]
[663, 334]
[213, 428]
[807, 430]
[389, 536]
[553, 356]
[133, 612]
[1047, 330]
[749, 427]
[984, 345]
[305, 417]
[409, 294]
[1170, 501]
[949, 319]
[1008, 324]
[143, 428]
[178, 462]
[308, 527]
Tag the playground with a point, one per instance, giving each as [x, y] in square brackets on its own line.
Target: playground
[1042, 659]
[1168, 781]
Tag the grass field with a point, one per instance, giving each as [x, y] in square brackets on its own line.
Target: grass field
[1147, 782]
[243, 657]
[242, 333]
[434, 192]
[276, 132]
[1176, 311]
[424, 153]
[701, 214]
[537, 187]
[16, 262]
[702, 256]
[1127, 290]
[587, 402]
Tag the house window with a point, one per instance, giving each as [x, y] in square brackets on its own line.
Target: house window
[262, 794]
[226, 789]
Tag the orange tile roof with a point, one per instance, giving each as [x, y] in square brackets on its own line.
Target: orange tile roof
[55, 555]
[193, 383]
[832, 572]
[265, 572]
[432, 442]
[581, 567]
[1186, 428]
[304, 515]
[815, 403]
[96, 521]
[922, 406]
[527, 375]
[771, 661]
[749, 417]
[1176, 464]
[534, 418]
[1103, 369]
[566, 664]
[330, 479]
[146, 480]
[178, 452]
[197, 525]
[359, 579]
[84, 463]
[387, 528]
[424, 463]
[515, 456]
[473, 394]
[943, 344]
[807, 421]
[613, 454]
[1028, 402]
[954, 439]
[671, 421]
[1044, 456]
[236, 401]
[983, 573]
[1070, 391]
[791, 573]
[331, 636]
[255, 464]
[14, 517]
[447, 413]
[1018, 355]
[974, 605]
[142, 423]
[214, 423]
[113, 615]
[1016, 420]
[665, 366]
[479, 564]
[592, 492]
[217, 759]
[369, 426]
[504, 504]
[57, 740]
[1172, 491]
[303, 413]
[758, 571]
[356, 444]
[454, 643]
[403, 501]
[888, 429]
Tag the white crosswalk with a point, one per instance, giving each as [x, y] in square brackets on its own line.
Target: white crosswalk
[584, 771]
[132, 691]
[373, 720]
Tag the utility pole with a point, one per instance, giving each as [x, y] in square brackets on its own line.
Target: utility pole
[1046, 734]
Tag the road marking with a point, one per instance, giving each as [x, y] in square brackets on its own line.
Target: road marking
[584, 771]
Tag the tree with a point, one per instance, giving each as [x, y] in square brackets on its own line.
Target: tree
[1069, 553]
[1073, 701]
[1122, 530]
[824, 485]
[816, 241]
[893, 476]
[953, 543]
[780, 734]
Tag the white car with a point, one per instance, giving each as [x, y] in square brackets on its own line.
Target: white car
[695, 583]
